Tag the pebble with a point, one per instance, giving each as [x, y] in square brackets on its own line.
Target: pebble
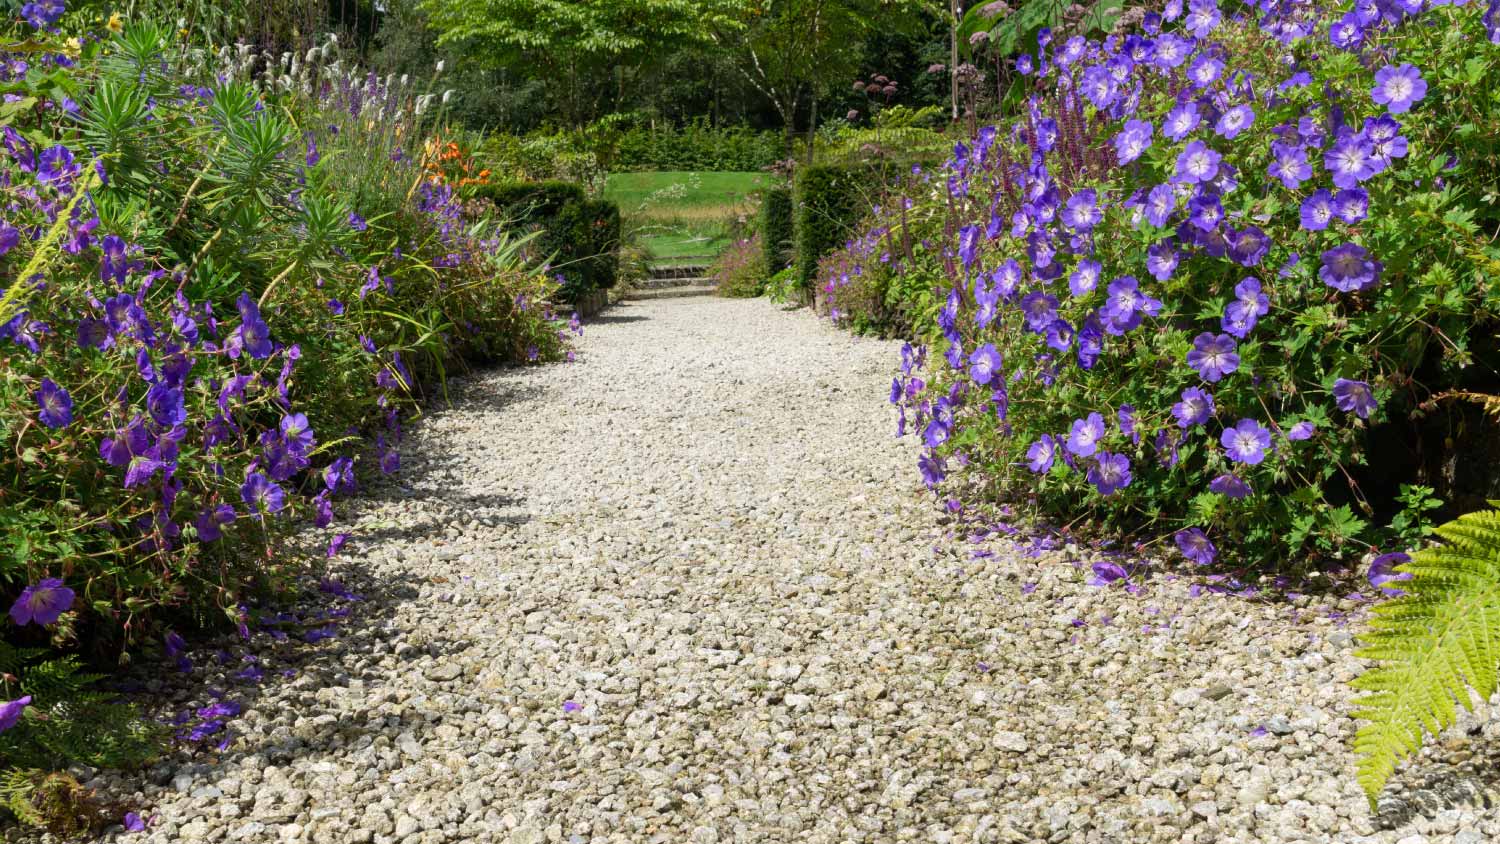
[704, 539]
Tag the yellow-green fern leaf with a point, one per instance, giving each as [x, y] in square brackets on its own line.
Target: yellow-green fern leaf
[1432, 646]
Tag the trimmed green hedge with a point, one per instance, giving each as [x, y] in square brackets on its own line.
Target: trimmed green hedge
[697, 146]
[603, 220]
[776, 230]
[583, 234]
[829, 203]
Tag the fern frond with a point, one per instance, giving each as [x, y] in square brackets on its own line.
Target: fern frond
[1432, 646]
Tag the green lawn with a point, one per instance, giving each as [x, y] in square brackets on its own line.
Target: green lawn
[681, 214]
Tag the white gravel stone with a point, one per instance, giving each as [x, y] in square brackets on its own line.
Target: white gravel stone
[705, 541]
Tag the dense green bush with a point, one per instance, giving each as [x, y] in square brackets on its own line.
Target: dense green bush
[602, 219]
[830, 201]
[530, 201]
[740, 270]
[697, 146]
[776, 229]
[581, 236]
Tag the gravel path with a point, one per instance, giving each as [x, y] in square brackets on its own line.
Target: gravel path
[687, 590]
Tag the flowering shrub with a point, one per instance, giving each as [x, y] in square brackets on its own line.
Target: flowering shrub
[1176, 293]
[215, 284]
[740, 270]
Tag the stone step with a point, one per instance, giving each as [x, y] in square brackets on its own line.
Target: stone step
[658, 283]
[680, 271]
[672, 292]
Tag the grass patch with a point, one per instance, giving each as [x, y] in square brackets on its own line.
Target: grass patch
[684, 214]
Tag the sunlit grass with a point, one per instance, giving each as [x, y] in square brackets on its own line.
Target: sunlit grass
[684, 214]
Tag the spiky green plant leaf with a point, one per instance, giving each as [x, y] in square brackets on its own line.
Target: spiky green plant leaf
[1432, 646]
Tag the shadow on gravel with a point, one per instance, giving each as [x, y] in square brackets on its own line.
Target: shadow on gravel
[1450, 775]
[615, 319]
[285, 692]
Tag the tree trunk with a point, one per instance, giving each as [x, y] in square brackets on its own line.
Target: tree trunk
[953, 19]
[812, 128]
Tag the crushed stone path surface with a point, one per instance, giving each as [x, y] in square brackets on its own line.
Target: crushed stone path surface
[688, 589]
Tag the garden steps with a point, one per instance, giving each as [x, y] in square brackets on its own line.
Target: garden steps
[675, 292]
[676, 280]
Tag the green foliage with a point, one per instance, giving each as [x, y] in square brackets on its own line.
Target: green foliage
[696, 146]
[56, 802]
[1327, 489]
[776, 229]
[579, 237]
[602, 219]
[783, 288]
[1009, 34]
[829, 202]
[609, 30]
[68, 720]
[1432, 646]
[740, 271]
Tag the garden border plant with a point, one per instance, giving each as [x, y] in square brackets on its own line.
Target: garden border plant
[1215, 256]
[223, 292]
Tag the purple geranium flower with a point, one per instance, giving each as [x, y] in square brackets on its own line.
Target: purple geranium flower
[262, 496]
[1234, 121]
[1082, 212]
[1111, 474]
[10, 712]
[1383, 571]
[1160, 204]
[1161, 260]
[1181, 120]
[984, 364]
[1352, 205]
[1246, 442]
[1205, 70]
[1126, 304]
[1229, 486]
[1107, 573]
[1197, 163]
[1213, 356]
[1041, 454]
[1040, 310]
[1195, 408]
[1301, 431]
[1205, 212]
[1085, 278]
[55, 403]
[55, 164]
[1350, 160]
[1397, 87]
[1133, 141]
[210, 522]
[1354, 397]
[1248, 246]
[1317, 210]
[1289, 164]
[1083, 439]
[1196, 546]
[254, 336]
[42, 603]
[1202, 17]
[1349, 268]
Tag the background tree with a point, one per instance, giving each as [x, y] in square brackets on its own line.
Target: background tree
[578, 43]
[796, 51]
